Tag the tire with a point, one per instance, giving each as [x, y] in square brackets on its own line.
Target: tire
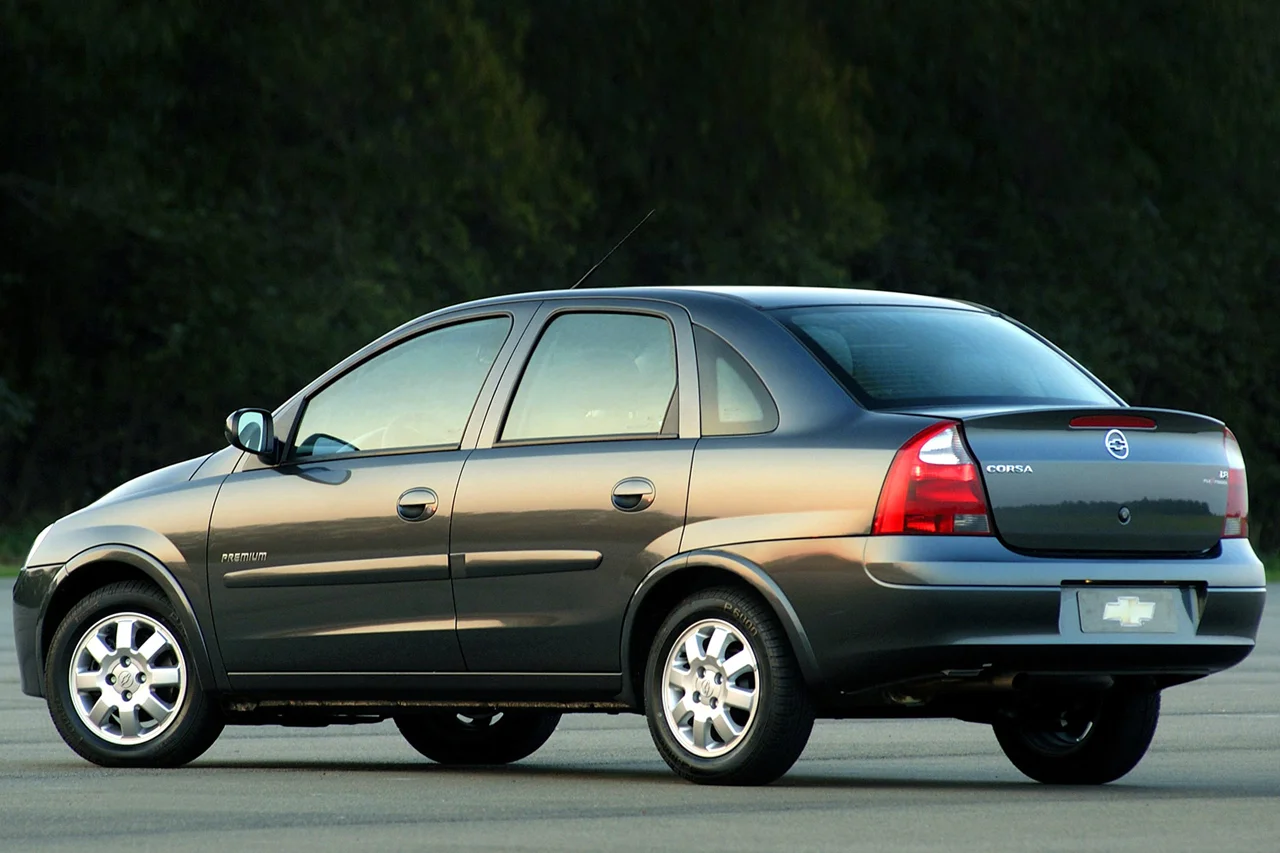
[94, 662]
[1091, 744]
[724, 696]
[448, 737]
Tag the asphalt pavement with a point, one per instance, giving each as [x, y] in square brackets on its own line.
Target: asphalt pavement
[1210, 782]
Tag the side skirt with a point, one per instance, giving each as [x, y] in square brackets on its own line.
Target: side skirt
[318, 698]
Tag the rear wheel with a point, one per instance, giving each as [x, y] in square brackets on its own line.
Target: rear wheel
[723, 693]
[1084, 742]
[489, 737]
[120, 683]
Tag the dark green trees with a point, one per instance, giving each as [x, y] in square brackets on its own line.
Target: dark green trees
[203, 205]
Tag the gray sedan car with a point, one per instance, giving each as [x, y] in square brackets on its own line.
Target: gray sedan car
[731, 510]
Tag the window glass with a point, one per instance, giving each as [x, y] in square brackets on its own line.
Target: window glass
[734, 400]
[596, 374]
[910, 356]
[418, 394]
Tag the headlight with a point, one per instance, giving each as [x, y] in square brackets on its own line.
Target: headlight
[35, 546]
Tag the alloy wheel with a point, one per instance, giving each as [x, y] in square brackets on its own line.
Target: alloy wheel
[127, 678]
[712, 688]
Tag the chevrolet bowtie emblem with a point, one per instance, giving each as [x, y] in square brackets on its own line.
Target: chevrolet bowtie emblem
[1130, 611]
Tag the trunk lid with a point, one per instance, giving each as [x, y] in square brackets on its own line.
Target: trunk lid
[1105, 487]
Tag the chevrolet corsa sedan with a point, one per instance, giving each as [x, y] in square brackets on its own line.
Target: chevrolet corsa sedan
[730, 510]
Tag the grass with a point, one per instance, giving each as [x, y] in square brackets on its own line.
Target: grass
[1272, 562]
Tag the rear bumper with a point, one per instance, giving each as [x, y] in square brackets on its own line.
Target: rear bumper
[1004, 633]
[887, 610]
[983, 561]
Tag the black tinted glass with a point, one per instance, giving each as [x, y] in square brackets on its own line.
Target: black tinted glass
[898, 356]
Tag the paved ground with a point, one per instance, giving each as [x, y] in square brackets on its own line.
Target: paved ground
[1211, 782]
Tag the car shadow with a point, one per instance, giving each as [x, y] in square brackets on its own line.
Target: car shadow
[425, 768]
[660, 775]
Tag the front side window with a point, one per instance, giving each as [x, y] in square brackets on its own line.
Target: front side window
[594, 375]
[417, 394]
[893, 356]
[734, 400]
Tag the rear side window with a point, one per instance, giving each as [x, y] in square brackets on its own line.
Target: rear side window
[891, 356]
[734, 400]
[597, 375]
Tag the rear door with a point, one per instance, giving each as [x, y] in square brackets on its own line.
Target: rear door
[336, 560]
[577, 488]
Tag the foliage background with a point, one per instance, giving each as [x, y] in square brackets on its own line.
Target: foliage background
[202, 205]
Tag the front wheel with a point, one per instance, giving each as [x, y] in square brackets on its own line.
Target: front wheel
[724, 697]
[490, 737]
[1085, 742]
[120, 681]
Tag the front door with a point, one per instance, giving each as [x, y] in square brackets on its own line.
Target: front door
[576, 490]
[336, 560]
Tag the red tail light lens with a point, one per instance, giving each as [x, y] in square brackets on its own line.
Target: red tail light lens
[1236, 524]
[933, 487]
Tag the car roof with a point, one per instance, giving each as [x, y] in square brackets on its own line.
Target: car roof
[765, 298]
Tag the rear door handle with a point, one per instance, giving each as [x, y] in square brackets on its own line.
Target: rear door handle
[417, 505]
[633, 494]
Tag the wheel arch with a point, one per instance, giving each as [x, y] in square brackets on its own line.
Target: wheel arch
[96, 567]
[674, 579]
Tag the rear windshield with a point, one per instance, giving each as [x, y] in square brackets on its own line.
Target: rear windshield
[894, 356]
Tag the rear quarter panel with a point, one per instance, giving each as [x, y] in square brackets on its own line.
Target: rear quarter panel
[818, 474]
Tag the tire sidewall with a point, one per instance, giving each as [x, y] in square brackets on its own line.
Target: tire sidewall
[1123, 731]
[751, 624]
[58, 689]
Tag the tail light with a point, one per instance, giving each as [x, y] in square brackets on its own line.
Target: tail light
[1236, 523]
[933, 487]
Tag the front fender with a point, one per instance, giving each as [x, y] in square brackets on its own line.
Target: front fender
[743, 569]
[205, 658]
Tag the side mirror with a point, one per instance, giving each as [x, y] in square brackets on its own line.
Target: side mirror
[251, 430]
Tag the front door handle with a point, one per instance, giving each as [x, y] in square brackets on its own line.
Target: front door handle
[417, 505]
[633, 494]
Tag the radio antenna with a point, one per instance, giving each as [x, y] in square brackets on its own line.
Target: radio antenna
[611, 251]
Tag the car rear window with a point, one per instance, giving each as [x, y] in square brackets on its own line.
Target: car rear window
[895, 356]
